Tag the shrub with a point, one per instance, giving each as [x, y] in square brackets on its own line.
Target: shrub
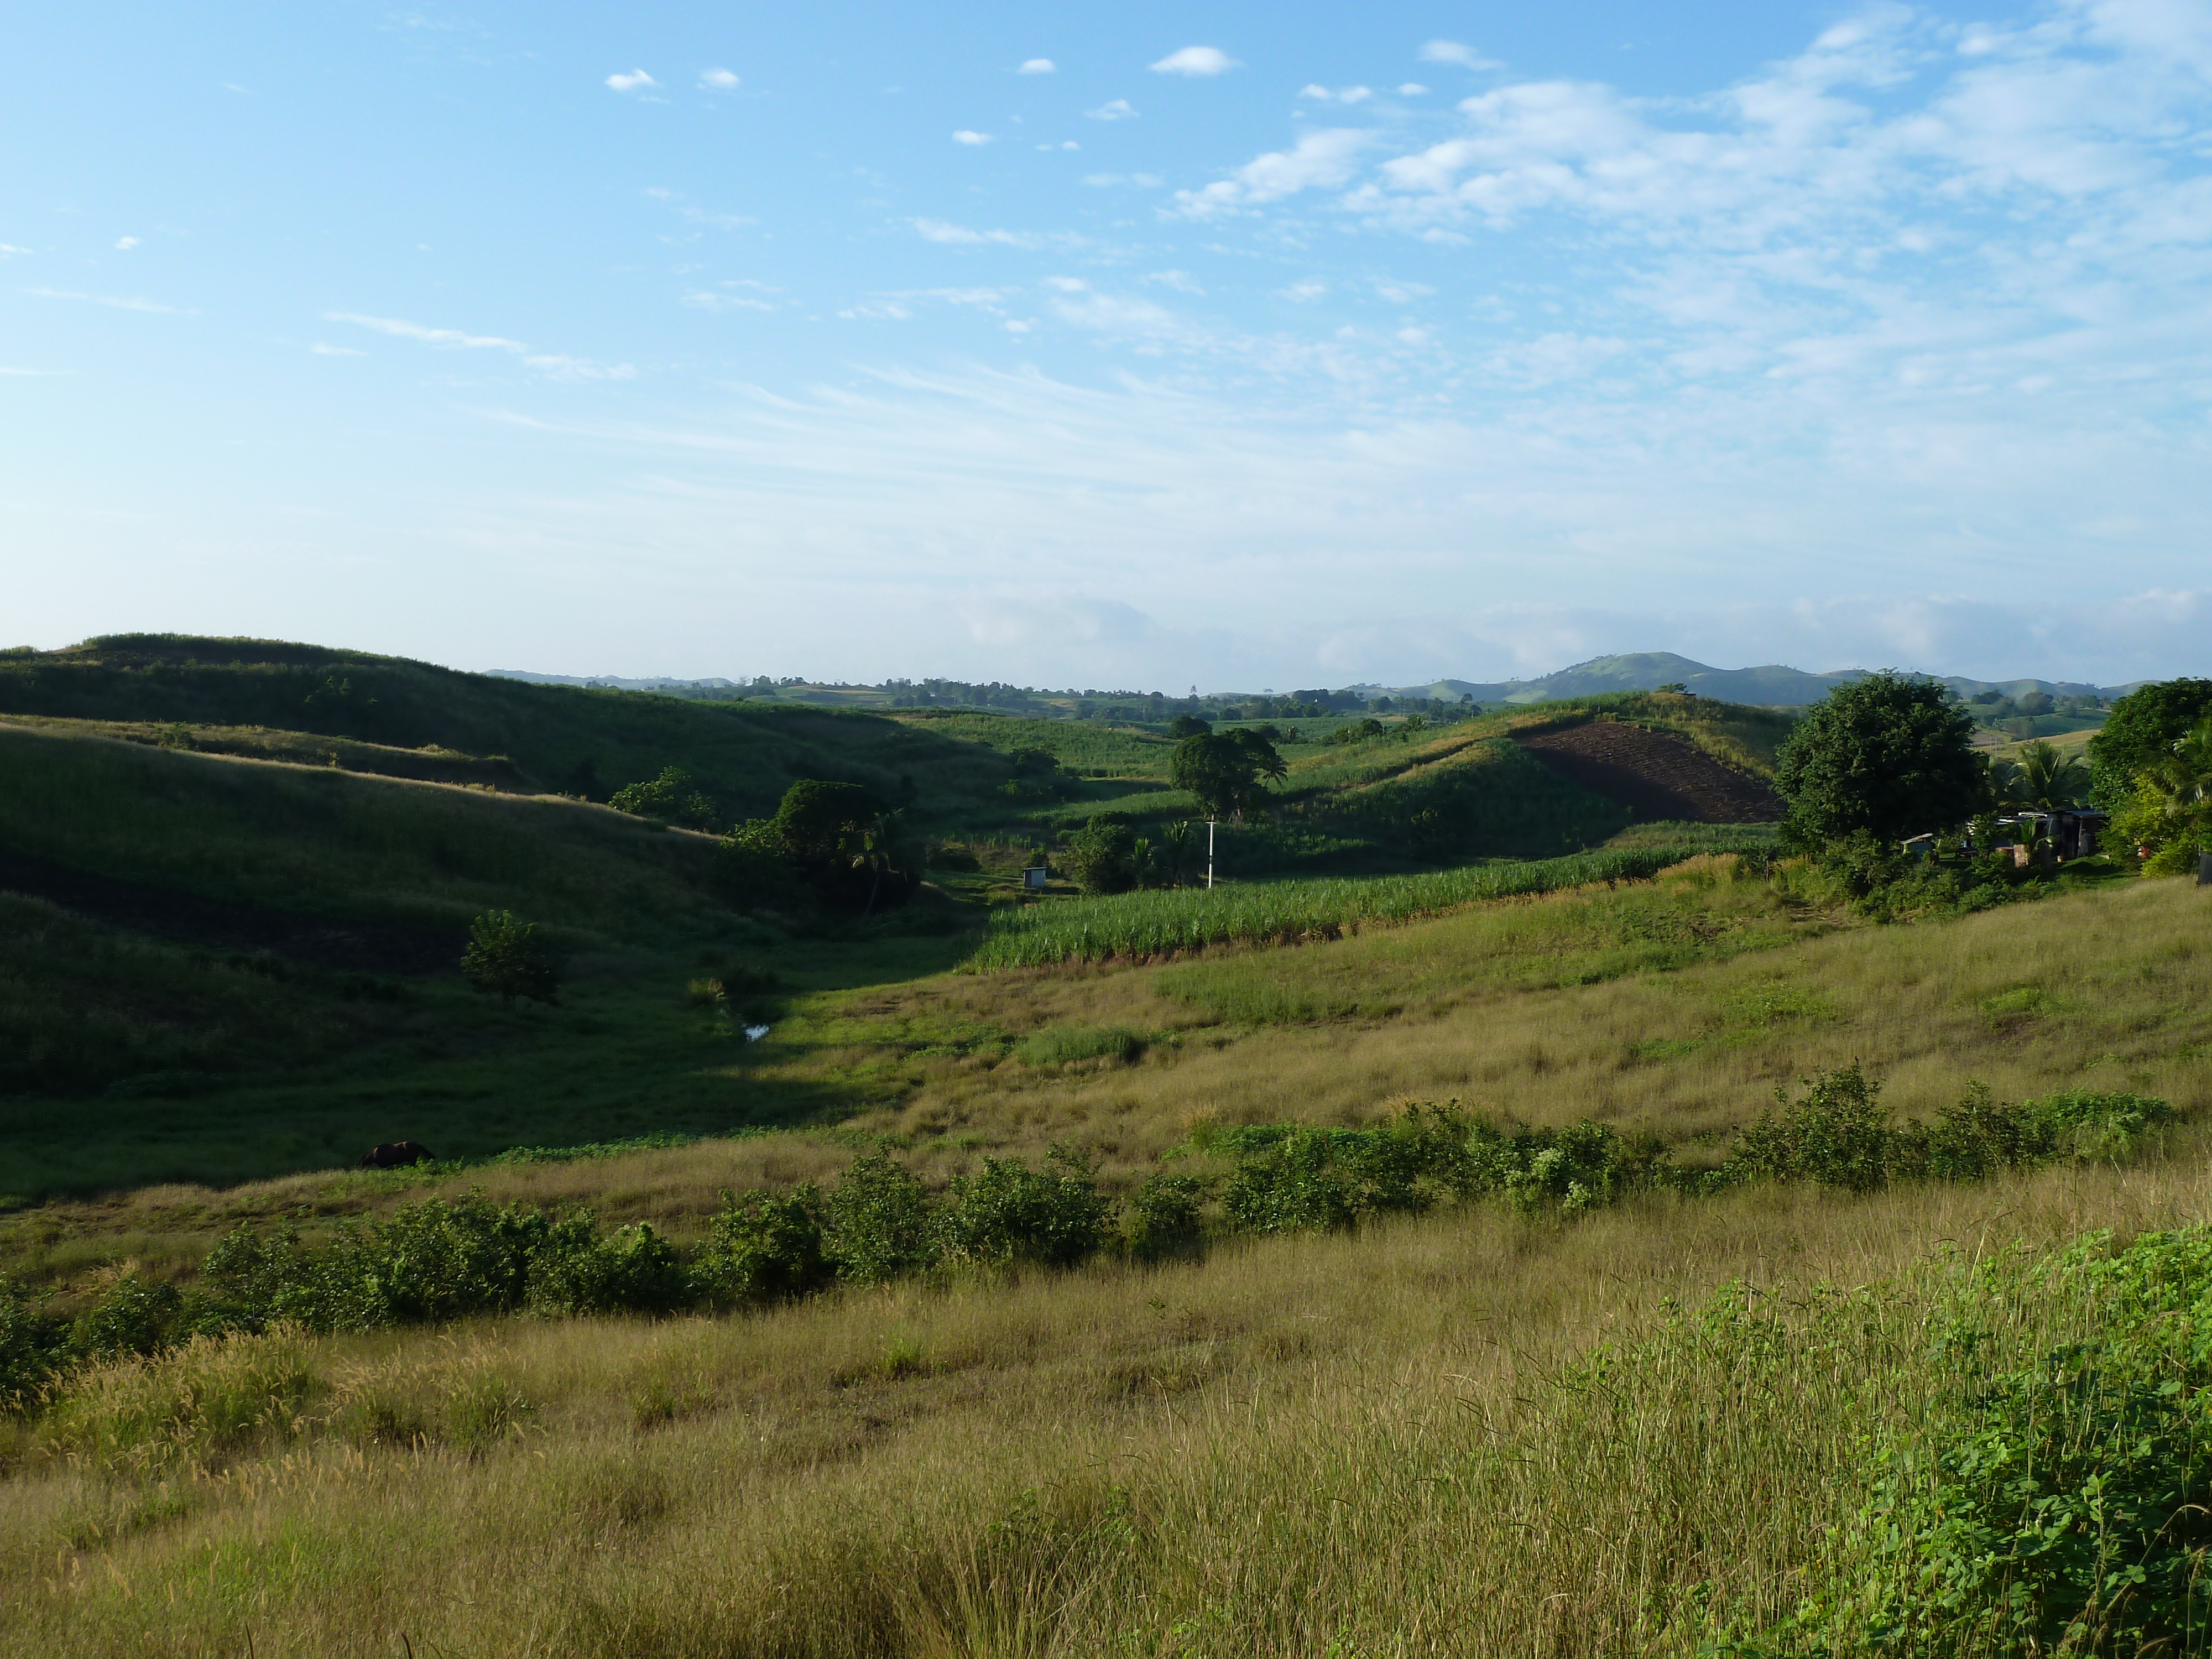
[506, 958]
[32, 1345]
[1294, 1187]
[669, 798]
[1102, 857]
[1837, 1136]
[951, 855]
[1056, 1217]
[436, 1260]
[2065, 1510]
[135, 1315]
[576, 1269]
[1164, 1216]
[875, 1222]
[764, 1246]
[1581, 1167]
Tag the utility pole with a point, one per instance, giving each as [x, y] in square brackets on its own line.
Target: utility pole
[1209, 855]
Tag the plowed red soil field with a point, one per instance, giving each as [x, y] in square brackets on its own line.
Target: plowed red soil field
[1656, 774]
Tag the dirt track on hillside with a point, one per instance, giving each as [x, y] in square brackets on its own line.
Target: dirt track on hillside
[1655, 774]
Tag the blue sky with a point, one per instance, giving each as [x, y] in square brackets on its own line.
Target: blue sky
[1140, 345]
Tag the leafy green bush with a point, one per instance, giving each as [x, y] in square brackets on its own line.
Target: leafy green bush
[1102, 857]
[135, 1315]
[32, 1347]
[2068, 1505]
[1837, 1136]
[506, 958]
[669, 798]
[764, 1246]
[876, 1221]
[576, 1269]
[1581, 1167]
[1054, 1217]
[1164, 1216]
[1293, 1179]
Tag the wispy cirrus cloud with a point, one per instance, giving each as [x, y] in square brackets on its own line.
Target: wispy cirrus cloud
[952, 235]
[555, 365]
[115, 301]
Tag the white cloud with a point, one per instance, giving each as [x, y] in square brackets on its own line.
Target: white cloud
[1195, 60]
[1117, 109]
[124, 244]
[1312, 288]
[1323, 158]
[1412, 89]
[1037, 66]
[321, 350]
[717, 79]
[1180, 281]
[556, 365]
[1399, 293]
[33, 373]
[449, 338]
[117, 302]
[8, 251]
[1341, 96]
[711, 300]
[881, 311]
[1451, 51]
[939, 230]
[631, 81]
[965, 137]
[1311, 90]
[1142, 180]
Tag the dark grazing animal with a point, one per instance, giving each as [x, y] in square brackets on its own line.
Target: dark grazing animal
[396, 1154]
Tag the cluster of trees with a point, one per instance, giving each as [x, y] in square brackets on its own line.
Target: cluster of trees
[841, 840]
[2151, 767]
[1893, 756]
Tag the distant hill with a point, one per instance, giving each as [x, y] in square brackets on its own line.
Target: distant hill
[1774, 684]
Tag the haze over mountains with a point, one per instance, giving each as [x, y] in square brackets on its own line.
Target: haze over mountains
[1773, 684]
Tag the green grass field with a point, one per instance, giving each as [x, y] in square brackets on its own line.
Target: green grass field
[1674, 1424]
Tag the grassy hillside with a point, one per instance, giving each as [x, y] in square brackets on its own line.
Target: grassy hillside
[549, 738]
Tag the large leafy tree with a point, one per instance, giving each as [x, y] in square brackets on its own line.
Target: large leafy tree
[2140, 733]
[1890, 756]
[1223, 771]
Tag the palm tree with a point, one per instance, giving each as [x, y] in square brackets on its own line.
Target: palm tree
[2046, 779]
[1175, 839]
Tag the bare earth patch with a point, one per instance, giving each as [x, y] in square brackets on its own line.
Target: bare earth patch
[1656, 774]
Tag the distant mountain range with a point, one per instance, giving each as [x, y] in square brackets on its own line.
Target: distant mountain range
[1646, 671]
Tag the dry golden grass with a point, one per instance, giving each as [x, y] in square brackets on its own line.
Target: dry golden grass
[2107, 989]
[1349, 1444]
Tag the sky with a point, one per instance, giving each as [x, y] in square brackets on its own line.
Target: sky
[1247, 347]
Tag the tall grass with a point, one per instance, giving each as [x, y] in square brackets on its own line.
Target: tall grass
[1644, 1433]
[1137, 925]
